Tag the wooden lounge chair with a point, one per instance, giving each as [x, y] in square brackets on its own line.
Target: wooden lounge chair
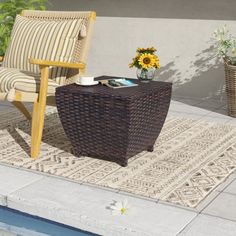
[18, 81]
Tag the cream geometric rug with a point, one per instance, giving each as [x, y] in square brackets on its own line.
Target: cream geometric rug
[190, 158]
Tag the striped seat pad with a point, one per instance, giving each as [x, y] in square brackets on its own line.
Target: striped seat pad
[22, 81]
[45, 40]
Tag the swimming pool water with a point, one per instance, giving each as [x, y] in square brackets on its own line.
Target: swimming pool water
[14, 223]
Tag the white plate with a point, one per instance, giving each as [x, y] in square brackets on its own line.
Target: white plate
[94, 83]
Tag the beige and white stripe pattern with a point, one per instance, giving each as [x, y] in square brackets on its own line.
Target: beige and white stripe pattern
[22, 81]
[42, 39]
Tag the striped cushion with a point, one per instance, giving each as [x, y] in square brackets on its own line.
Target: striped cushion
[22, 81]
[40, 39]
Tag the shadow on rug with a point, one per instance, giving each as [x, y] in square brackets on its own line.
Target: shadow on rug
[190, 159]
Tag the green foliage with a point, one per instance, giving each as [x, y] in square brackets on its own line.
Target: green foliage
[226, 44]
[8, 11]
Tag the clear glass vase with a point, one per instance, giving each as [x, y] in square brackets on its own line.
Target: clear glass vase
[145, 75]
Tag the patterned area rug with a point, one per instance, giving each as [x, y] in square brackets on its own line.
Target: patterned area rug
[190, 159]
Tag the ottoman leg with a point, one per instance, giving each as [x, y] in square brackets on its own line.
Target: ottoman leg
[124, 163]
[75, 151]
[150, 148]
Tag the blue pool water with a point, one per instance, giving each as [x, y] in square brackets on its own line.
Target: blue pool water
[13, 223]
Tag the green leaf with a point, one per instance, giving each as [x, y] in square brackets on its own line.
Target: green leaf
[8, 11]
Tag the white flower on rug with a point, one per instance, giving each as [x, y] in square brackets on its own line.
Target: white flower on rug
[120, 208]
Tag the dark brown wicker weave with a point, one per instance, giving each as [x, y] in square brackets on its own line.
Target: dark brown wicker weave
[113, 124]
[230, 81]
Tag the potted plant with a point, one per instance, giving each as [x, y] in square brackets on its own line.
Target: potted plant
[146, 63]
[226, 47]
[8, 11]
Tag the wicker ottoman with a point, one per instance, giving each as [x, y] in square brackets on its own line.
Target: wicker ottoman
[113, 124]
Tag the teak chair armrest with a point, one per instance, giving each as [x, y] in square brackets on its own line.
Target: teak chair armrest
[1, 58]
[40, 104]
[79, 65]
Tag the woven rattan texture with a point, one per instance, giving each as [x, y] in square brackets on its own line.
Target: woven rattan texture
[230, 80]
[113, 124]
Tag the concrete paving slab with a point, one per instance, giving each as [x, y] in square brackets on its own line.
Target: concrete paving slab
[5, 103]
[204, 225]
[222, 110]
[217, 119]
[5, 108]
[205, 202]
[223, 206]
[232, 122]
[220, 116]
[231, 188]
[12, 179]
[183, 108]
[184, 115]
[227, 182]
[177, 106]
[202, 205]
[188, 101]
[87, 208]
[212, 104]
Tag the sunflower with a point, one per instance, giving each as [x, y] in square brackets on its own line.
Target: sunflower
[146, 50]
[157, 63]
[134, 62]
[147, 60]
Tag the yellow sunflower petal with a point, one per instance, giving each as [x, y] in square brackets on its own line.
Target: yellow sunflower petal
[147, 60]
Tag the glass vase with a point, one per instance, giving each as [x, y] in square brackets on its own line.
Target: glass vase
[146, 75]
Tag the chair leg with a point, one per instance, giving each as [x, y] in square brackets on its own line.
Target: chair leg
[20, 106]
[37, 128]
[39, 114]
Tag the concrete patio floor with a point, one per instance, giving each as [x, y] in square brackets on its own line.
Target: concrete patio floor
[86, 207]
